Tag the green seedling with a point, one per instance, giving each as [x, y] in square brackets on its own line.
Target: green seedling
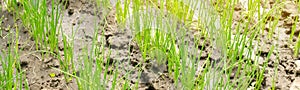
[11, 72]
[42, 27]
[1, 35]
[122, 12]
[160, 29]
[293, 29]
[297, 47]
[94, 58]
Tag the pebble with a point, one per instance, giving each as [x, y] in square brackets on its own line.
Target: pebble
[297, 62]
[296, 84]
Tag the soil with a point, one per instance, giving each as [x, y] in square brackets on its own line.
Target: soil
[79, 16]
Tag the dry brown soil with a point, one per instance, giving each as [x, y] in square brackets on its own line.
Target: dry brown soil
[80, 15]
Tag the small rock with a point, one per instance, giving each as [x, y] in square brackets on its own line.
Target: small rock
[47, 60]
[145, 78]
[61, 46]
[118, 42]
[238, 7]
[288, 23]
[260, 60]
[284, 83]
[158, 68]
[297, 62]
[56, 63]
[296, 84]
[289, 8]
